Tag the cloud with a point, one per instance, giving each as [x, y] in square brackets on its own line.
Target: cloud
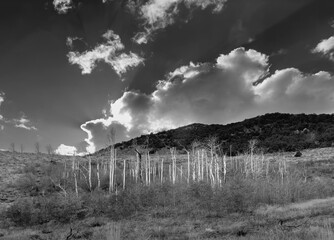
[62, 6]
[108, 52]
[2, 99]
[220, 92]
[158, 14]
[66, 150]
[24, 123]
[290, 90]
[326, 47]
[217, 4]
[123, 62]
[98, 131]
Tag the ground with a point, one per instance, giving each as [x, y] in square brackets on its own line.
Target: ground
[311, 219]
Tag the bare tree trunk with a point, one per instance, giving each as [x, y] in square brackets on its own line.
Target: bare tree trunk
[170, 172]
[139, 166]
[115, 172]
[188, 154]
[225, 170]
[146, 176]
[173, 164]
[124, 174]
[90, 173]
[75, 177]
[181, 172]
[65, 170]
[111, 169]
[194, 166]
[76, 183]
[162, 170]
[98, 174]
[149, 168]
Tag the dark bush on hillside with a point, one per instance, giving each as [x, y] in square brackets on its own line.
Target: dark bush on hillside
[238, 195]
[22, 212]
[60, 208]
[32, 211]
[122, 206]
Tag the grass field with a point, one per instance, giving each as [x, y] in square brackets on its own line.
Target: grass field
[296, 203]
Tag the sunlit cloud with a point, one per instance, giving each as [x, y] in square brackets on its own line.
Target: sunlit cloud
[62, 6]
[2, 99]
[24, 123]
[220, 92]
[110, 52]
[326, 47]
[158, 14]
[66, 150]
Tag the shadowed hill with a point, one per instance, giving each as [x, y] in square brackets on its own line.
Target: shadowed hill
[274, 132]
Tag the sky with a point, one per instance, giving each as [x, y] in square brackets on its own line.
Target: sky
[72, 70]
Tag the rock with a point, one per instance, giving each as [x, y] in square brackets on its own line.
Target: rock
[36, 237]
[46, 231]
[2, 234]
[298, 154]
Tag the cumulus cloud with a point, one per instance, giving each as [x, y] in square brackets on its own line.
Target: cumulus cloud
[109, 52]
[220, 92]
[158, 14]
[66, 150]
[326, 47]
[24, 123]
[62, 6]
[98, 132]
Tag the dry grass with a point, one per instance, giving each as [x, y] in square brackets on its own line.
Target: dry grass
[195, 212]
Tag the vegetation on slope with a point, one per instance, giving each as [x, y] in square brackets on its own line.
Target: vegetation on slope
[274, 132]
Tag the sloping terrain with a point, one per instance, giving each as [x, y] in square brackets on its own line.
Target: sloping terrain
[274, 132]
[13, 166]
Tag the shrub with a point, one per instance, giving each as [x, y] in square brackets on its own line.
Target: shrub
[22, 212]
[27, 183]
[32, 211]
[60, 208]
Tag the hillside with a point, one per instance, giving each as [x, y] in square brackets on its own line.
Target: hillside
[274, 132]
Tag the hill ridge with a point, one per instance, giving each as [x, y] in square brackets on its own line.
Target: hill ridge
[274, 132]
